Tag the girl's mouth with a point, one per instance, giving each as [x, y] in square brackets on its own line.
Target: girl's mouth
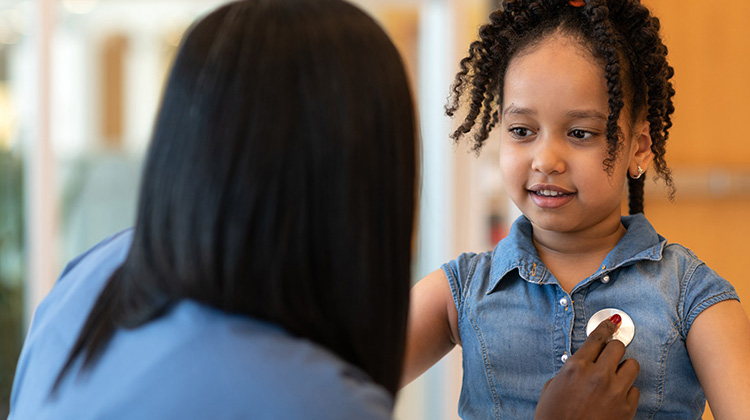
[549, 197]
[550, 193]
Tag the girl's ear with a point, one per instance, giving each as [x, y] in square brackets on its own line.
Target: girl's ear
[642, 156]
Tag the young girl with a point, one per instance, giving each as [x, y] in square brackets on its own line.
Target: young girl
[581, 94]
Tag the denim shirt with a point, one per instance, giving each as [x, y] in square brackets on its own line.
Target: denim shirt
[518, 326]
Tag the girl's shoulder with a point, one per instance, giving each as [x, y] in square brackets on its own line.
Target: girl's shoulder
[699, 285]
[647, 244]
[464, 269]
[680, 258]
[466, 263]
[680, 251]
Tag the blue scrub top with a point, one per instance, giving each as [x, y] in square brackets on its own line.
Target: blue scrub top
[196, 362]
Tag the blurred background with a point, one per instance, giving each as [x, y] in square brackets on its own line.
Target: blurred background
[80, 81]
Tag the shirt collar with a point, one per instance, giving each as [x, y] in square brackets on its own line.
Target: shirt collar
[517, 251]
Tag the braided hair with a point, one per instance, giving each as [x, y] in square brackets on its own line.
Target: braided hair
[621, 34]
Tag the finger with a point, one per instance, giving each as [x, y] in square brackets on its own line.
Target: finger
[632, 399]
[628, 371]
[612, 355]
[592, 347]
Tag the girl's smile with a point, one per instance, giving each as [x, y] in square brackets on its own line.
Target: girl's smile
[550, 196]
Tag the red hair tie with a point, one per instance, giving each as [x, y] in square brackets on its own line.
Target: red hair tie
[577, 3]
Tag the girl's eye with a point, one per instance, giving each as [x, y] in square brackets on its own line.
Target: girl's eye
[581, 134]
[520, 132]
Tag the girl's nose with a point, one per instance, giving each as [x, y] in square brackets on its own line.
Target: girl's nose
[548, 156]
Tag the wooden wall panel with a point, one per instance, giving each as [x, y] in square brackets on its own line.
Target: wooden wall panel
[112, 91]
[709, 47]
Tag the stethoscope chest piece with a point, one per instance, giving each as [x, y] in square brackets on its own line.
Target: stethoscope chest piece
[626, 331]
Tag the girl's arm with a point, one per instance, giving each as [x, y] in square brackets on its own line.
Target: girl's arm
[432, 329]
[719, 347]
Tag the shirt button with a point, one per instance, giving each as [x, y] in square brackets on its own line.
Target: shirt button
[564, 301]
[605, 279]
[564, 358]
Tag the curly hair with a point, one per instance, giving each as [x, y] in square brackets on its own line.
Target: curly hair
[621, 34]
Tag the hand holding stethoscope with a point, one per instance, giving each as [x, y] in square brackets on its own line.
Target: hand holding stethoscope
[603, 386]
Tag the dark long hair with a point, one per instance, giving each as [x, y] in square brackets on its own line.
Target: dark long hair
[622, 34]
[279, 184]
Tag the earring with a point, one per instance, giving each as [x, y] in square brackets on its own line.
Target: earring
[640, 170]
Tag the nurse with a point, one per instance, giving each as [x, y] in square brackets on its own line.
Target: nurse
[267, 275]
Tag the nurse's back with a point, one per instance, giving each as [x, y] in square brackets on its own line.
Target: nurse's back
[195, 362]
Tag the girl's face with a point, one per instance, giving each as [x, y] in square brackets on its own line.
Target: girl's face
[553, 139]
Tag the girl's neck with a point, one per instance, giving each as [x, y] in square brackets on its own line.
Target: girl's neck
[573, 256]
[572, 243]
